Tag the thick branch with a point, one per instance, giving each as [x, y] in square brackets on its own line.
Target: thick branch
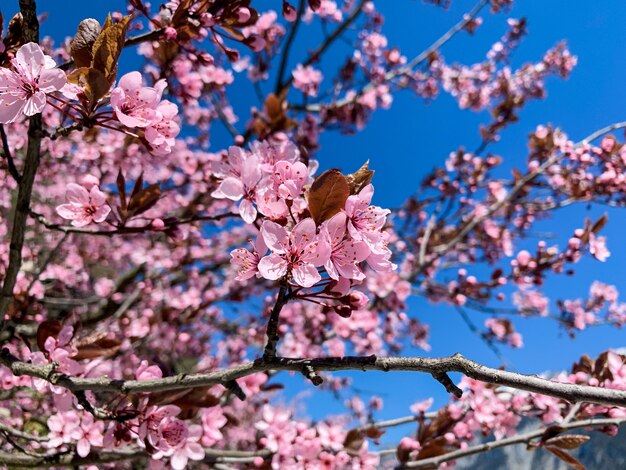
[434, 462]
[25, 188]
[272, 324]
[570, 392]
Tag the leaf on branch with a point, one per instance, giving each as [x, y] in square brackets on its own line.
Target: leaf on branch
[567, 458]
[144, 199]
[108, 47]
[599, 224]
[328, 195]
[360, 178]
[81, 46]
[570, 441]
[353, 441]
[46, 329]
[96, 345]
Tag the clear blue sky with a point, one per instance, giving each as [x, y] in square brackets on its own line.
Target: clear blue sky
[405, 142]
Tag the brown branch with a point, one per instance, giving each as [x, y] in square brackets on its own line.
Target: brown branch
[315, 55]
[288, 43]
[434, 462]
[25, 187]
[272, 323]
[7, 155]
[21, 434]
[68, 459]
[570, 392]
[425, 54]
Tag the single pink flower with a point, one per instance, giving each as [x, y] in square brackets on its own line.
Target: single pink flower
[161, 135]
[23, 89]
[289, 178]
[307, 79]
[298, 252]
[84, 206]
[134, 104]
[241, 183]
[248, 262]
[346, 253]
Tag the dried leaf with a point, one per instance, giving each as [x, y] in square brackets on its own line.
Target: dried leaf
[569, 441]
[567, 458]
[96, 345]
[81, 46]
[600, 223]
[328, 195]
[144, 199]
[46, 329]
[121, 189]
[354, 440]
[93, 81]
[108, 47]
[360, 178]
[433, 448]
[373, 432]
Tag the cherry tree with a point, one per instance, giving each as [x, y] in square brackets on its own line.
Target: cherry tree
[157, 288]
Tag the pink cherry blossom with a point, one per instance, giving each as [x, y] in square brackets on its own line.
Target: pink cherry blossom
[307, 79]
[597, 247]
[23, 88]
[248, 261]
[161, 134]
[179, 442]
[134, 104]
[297, 252]
[85, 206]
[346, 253]
[241, 182]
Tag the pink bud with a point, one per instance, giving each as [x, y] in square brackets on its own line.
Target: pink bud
[170, 33]
[157, 224]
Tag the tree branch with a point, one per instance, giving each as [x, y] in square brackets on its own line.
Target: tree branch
[570, 392]
[7, 154]
[434, 462]
[25, 187]
[272, 324]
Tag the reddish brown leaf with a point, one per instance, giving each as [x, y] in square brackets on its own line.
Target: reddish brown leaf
[46, 329]
[373, 432]
[354, 440]
[108, 47]
[96, 345]
[328, 195]
[569, 441]
[565, 457]
[599, 224]
[360, 178]
[144, 199]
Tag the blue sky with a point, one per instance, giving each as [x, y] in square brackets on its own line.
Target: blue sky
[405, 142]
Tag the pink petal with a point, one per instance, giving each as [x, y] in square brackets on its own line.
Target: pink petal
[247, 211]
[306, 274]
[273, 267]
[10, 108]
[231, 188]
[77, 195]
[35, 104]
[179, 460]
[303, 233]
[30, 60]
[96, 196]
[195, 451]
[130, 81]
[337, 227]
[83, 447]
[52, 80]
[67, 211]
[275, 236]
[101, 213]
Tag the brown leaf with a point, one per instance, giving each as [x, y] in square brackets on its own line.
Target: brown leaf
[600, 223]
[93, 81]
[328, 195]
[81, 46]
[108, 47]
[96, 345]
[121, 189]
[569, 441]
[144, 199]
[373, 432]
[567, 458]
[433, 448]
[354, 440]
[46, 329]
[360, 178]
